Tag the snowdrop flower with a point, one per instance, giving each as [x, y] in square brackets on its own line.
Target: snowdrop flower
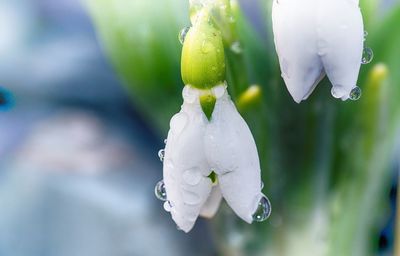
[210, 152]
[318, 37]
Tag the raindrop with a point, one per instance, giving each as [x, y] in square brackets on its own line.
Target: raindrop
[160, 191]
[167, 206]
[236, 47]
[263, 210]
[161, 154]
[182, 34]
[355, 93]
[206, 47]
[365, 34]
[367, 55]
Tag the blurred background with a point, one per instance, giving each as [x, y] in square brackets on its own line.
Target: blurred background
[87, 89]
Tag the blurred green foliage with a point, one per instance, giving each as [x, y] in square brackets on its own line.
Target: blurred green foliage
[325, 162]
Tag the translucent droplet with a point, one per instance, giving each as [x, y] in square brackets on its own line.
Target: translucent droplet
[262, 185]
[219, 90]
[160, 191]
[182, 34]
[367, 55]
[161, 154]
[355, 94]
[190, 198]
[206, 47]
[365, 34]
[263, 210]
[167, 206]
[178, 123]
[192, 177]
[236, 47]
[165, 141]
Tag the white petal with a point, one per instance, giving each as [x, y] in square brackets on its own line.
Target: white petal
[232, 154]
[211, 206]
[313, 37]
[185, 164]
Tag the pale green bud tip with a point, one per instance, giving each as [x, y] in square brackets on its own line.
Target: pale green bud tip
[203, 58]
[249, 97]
[378, 74]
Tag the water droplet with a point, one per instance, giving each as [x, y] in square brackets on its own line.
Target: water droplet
[182, 34]
[263, 210]
[190, 198]
[219, 90]
[161, 154]
[262, 184]
[160, 191]
[236, 47]
[355, 93]
[192, 177]
[165, 141]
[365, 34]
[190, 94]
[367, 55]
[206, 47]
[167, 206]
[178, 123]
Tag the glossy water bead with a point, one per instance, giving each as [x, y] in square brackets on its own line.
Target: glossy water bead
[367, 55]
[160, 191]
[263, 210]
[355, 94]
[182, 34]
[161, 154]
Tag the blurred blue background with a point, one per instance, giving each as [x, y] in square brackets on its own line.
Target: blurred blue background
[78, 165]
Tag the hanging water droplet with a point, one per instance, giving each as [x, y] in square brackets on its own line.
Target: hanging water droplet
[161, 154]
[160, 191]
[236, 47]
[355, 93]
[182, 34]
[167, 206]
[365, 34]
[165, 141]
[262, 185]
[367, 55]
[263, 210]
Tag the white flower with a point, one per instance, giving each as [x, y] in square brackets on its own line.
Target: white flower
[314, 38]
[196, 147]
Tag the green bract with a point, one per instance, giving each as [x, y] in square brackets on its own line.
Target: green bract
[203, 58]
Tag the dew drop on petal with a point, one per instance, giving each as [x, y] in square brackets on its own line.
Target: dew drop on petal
[263, 210]
[178, 123]
[167, 206]
[262, 185]
[367, 55]
[219, 90]
[165, 141]
[160, 191]
[189, 94]
[182, 34]
[365, 34]
[161, 154]
[355, 93]
[192, 177]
